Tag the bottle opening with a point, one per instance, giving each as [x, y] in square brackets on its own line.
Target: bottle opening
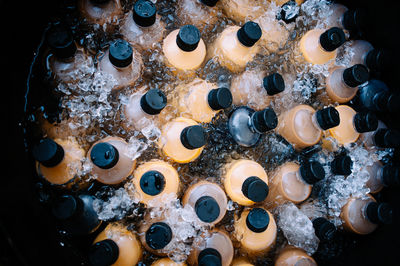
[144, 13]
[103, 253]
[61, 41]
[152, 183]
[355, 75]
[48, 152]
[249, 34]
[153, 102]
[255, 189]
[207, 209]
[209, 257]
[264, 120]
[158, 235]
[312, 172]
[327, 118]
[210, 3]
[66, 206]
[391, 175]
[220, 98]
[379, 213]
[257, 220]
[274, 84]
[120, 53]
[365, 122]
[332, 39]
[193, 137]
[104, 155]
[324, 229]
[342, 165]
[188, 38]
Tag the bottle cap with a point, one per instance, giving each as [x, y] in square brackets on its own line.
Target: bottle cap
[61, 41]
[207, 209]
[387, 138]
[48, 152]
[274, 84]
[257, 220]
[255, 189]
[378, 59]
[332, 39]
[193, 137]
[120, 53]
[144, 13]
[209, 2]
[188, 38]
[104, 155]
[153, 102]
[341, 165]
[152, 183]
[379, 213]
[328, 118]
[380, 100]
[393, 102]
[209, 257]
[249, 33]
[365, 122]
[264, 120]
[103, 253]
[355, 75]
[220, 98]
[391, 175]
[354, 19]
[324, 229]
[288, 12]
[312, 172]
[158, 235]
[66, 207]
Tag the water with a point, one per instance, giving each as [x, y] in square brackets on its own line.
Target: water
[90, 111]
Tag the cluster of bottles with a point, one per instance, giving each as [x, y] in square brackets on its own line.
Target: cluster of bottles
[64, 162]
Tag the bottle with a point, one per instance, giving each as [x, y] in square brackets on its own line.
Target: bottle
[208, 201]
[155, 178]
[59, 161]
[156, 235]
[201, 100]
[142, 109]
[167, 262]
[302, 126]
[122, 62]
[362, 52]
[255, 89]
[293, 182]
[324, 229]
[241, 261]
[342, 164]
[76, 214]
[203, 14]
[245, 182]
[352, 20]
[246, 126]
[66, 57]
[256, 231]
[100, 12]
[182, 140]
[184, 49]
[381, 176]
[215, 248]
[382, 138]
[342, 83]
[142, 27]
[243, 10]
[110, 160]
[362, 216]
[236, 46]
[318, 46]
[293, 256]
[116, 246]
[352, 124]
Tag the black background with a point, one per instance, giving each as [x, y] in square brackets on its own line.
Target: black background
[27, 234]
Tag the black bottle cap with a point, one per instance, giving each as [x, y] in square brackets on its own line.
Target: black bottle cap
[380, 100]
[220, 98]
[391, 175]
[324, 230]
[209, 2]
[66, 206]
[120, 53]
[152, 183]
[257, 220]
[249, 33]
[289, 11]
[103, 253]
[207, 209]
[378, 59]
[354, 19]
[332, 39]
[328, 118]
[255, 189]
[264, 120]
[144, 13]
[193, 137]
[365, 122]
[312, 172]
[393, 102]
[158, 235]
[61, 41]
[188, 38]
[274, 84]
[387, 138]
[104, 155]
[379, 213]
[153, 102]
[48, 152]
[209, 257]
[355, 75]
[341, 165]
